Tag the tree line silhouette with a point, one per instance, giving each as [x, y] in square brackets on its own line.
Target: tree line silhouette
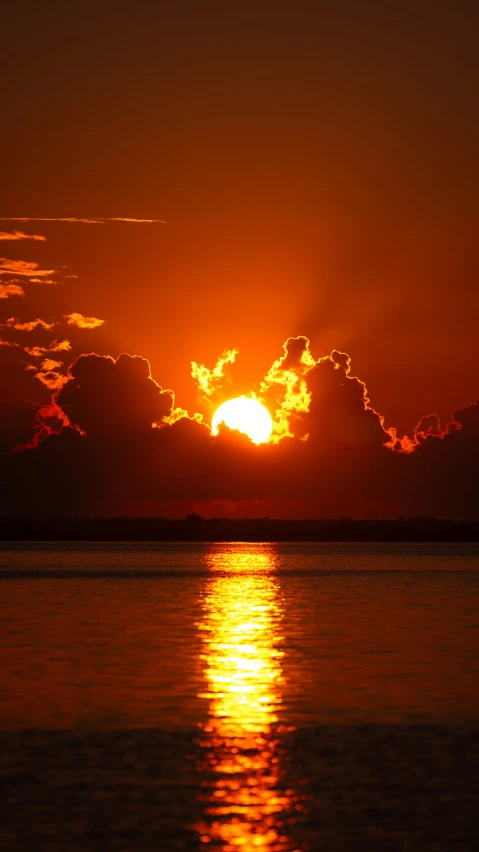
[196, 528]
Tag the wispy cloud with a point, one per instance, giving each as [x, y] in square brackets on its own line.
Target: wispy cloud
[55, 346]
[7, 290]
[89, 220]
[83, 322]
[139, 221]
[60, 346]
[36, 352]
[43, 280]
[23, 267]
[12, 322]
[50, 364]
[52, 379]
[8, 343]
[19, 235]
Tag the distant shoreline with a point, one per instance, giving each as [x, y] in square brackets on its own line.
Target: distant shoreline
[196, 528]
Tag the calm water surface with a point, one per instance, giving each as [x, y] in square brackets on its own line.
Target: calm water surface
[239, 696]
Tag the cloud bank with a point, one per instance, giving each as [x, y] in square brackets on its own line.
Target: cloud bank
[106, 438]
[94, 450]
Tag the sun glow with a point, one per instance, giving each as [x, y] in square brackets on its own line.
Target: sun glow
[246, 415]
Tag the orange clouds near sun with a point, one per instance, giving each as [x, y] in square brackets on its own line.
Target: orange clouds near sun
[283, 393]
[287, 377]
[211, 381]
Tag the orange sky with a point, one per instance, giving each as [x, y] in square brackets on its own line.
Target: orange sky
[313, 167]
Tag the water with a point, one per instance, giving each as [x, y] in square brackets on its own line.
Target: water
[278, 697]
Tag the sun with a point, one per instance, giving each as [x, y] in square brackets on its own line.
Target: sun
[246, 415]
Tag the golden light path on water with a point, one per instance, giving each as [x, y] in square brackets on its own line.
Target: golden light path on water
[245, 803]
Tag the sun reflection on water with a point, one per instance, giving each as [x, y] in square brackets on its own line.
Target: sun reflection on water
[245, 802]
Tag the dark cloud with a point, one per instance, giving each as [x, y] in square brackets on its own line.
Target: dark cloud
[109, 398]
[94, 450]
[18, 422]
[340, 415]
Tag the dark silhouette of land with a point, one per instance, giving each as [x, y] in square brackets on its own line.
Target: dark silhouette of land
[196, 528]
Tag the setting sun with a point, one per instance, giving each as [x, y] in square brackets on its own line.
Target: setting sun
[246, 415]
